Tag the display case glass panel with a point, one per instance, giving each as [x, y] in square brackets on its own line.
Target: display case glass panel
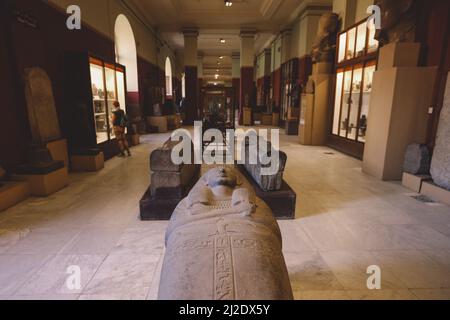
[121, 88]
[337, 101]
[351, 41]
[354, 103]
[346, 103]
[361, 40]
[366, 93]
[99, 103]
[342, 47]
[110, 76]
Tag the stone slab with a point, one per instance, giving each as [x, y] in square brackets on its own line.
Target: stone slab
[440, 165]
[436, 193]
[417, 159]
[161, 158]
[173, 184]
[41, 107]
[414, 182]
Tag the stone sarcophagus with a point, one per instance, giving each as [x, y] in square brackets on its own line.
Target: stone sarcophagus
[223, 244]
[170, 183]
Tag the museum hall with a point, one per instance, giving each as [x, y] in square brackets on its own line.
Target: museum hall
[225, 150]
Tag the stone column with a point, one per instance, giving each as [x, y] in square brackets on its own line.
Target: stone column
[401, 96]
[247, 74]
[286, 36]
[191, 73]
[236, 77]
[346, 9]
[200, 83]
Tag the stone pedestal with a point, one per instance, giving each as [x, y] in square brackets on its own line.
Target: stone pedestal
[266, 119]
[170, 183]
[435, 192]
[275, 119]
[12, 193]
[88, 161]
[45, 184]
[414, 182]
[135, 140]
[58, 150]
[440, 165]
[158, 122]
[247, 121]
[315, 106]
[400, 99]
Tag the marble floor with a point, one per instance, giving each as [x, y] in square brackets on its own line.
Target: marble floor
[346, 222]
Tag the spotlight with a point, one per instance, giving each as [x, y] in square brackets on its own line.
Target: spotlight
[222, 40]
[217, 76]
[228, 3]
[221, 57]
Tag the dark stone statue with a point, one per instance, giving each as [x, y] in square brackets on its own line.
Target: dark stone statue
[398, 21]
[324, 46]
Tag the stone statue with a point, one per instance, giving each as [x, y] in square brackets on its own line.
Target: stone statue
[223, 243]
[398, 21]
[324, 47]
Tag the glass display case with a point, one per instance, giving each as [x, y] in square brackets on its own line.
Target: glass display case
[355, 66]
[108, 86]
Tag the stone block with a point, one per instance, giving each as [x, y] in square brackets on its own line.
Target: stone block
[417, 159]
[87, 162]
[435, 192]
[12, 193]
[414, 182]
[43, 185]
[159, 122]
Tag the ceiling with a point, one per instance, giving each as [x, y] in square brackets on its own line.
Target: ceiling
[214, 21]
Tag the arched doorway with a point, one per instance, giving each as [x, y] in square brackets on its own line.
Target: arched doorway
[126, 53]
[169, 82]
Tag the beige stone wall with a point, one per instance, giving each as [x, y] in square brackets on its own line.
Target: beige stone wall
[361, 9]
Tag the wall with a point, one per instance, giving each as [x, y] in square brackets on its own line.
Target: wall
[48, 43]
[361, 9]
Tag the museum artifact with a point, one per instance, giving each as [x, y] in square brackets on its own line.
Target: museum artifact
[417, 159]
[398, 21]
[440, 165]
[223, 243]
[170, 183]
[324, 46]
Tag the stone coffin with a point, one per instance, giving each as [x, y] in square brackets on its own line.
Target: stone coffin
[215, 256]
[170, 183]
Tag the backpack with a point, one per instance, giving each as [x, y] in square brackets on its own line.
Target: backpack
[124, 121]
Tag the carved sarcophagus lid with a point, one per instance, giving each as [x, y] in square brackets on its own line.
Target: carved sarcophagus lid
[224, 244]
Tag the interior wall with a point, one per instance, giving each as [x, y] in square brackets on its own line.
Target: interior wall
[361, 9]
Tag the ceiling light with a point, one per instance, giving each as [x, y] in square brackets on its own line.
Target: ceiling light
[222, 40]
[228, 3]
[217, 76]
[221, 57]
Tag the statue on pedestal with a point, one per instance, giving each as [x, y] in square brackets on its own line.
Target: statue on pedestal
[398, 21]
[324, 46]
